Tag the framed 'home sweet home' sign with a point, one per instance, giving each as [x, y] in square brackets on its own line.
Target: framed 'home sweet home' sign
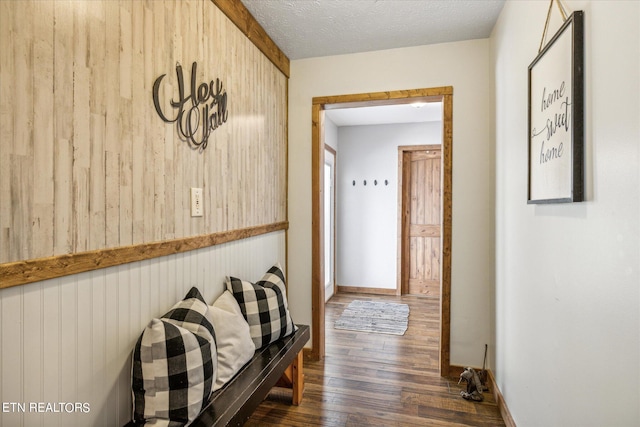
[556, 117]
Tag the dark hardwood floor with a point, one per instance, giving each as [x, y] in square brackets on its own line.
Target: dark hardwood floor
[371, 379]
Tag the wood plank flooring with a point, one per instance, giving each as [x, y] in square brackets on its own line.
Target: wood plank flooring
[371, 379]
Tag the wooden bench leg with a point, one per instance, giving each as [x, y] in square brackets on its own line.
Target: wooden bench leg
[298, 379]
[293, 378]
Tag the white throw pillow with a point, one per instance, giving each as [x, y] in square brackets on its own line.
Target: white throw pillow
[235, 346]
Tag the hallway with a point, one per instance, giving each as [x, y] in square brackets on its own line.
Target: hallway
[379, 380]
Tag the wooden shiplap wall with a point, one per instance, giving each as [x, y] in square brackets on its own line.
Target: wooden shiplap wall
[70, 339]
[87, 165]
[85, 161]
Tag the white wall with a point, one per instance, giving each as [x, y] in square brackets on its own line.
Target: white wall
[463, 65]
[70, 339]
[567, 275]
[368, 215]
[330, 133]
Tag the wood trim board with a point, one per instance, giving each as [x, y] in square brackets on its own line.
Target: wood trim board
[383, 98]
[34, 270]
[444, 94]
[362, 290]
[317, 236]
[447, 230]
[239, 15]
[455, 371]
[499, 398]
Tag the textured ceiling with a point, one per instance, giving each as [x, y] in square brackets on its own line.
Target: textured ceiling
[313, 28]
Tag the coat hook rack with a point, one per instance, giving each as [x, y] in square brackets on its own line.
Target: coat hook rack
[375, 182]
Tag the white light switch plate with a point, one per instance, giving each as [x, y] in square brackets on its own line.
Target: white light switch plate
[197, 206]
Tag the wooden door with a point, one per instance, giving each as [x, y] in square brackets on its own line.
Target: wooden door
[422, 222]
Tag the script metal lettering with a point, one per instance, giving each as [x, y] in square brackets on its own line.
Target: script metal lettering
[204, 114]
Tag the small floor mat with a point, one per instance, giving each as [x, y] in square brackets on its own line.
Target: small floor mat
[374, 316]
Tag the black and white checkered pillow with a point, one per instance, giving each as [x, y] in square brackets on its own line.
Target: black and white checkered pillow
[174, 364]
[264, 306]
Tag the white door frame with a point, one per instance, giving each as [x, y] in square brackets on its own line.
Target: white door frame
[331, 231]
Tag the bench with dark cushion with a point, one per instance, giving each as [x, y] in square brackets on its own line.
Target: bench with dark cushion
[279, 363]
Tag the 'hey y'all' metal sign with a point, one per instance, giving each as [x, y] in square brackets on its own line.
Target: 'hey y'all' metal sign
[197, 114]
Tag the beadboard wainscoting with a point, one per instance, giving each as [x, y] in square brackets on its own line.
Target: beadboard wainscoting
[69, 339]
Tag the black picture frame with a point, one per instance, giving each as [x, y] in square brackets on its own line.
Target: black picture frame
[556, 117]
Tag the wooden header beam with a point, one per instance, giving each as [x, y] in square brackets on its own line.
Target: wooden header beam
[239, 15]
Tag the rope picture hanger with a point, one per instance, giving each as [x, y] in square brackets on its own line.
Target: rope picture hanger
[546, 24]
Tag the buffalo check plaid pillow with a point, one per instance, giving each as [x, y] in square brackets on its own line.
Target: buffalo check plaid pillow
[264, 306]
[174, 364]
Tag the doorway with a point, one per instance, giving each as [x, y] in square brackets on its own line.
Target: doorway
[319, 105]
[420, 219]
[329, 222]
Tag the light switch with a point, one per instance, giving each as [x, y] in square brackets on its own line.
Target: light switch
[197, 206]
